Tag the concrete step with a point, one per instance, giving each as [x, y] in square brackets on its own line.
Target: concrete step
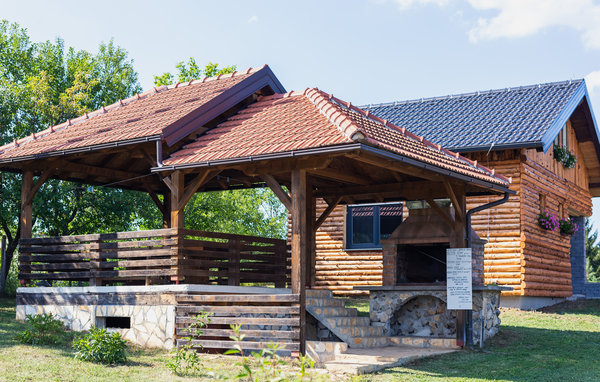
[369, 360]
[368, 342]
[360, 331]
[334, 311]
[334, 302]
[348, 321]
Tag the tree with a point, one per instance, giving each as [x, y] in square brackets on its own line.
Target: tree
[252, 211]
[592, 250]
[41, 85]
[191, 71]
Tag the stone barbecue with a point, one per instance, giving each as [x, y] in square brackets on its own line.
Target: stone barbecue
[412, 300]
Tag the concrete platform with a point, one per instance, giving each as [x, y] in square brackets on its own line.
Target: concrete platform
[370, 360]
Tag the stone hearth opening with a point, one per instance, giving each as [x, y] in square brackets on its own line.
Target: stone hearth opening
[423, 316]
[421, 263]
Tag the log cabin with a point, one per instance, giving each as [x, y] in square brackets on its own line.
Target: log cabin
[242, 130]
[520, 132]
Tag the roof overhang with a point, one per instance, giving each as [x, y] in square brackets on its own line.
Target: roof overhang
[347, 148]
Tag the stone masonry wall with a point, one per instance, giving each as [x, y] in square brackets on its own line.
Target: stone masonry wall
[428, 313]
[150, 326]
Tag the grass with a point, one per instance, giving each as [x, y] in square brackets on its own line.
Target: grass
[561, 343]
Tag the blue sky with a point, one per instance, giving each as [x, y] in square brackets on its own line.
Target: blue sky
[363, 51]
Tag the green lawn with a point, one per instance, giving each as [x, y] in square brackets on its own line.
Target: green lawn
[559, 344]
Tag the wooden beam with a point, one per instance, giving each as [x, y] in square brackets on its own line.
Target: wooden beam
[274, 185]
[415, 190]
[177, 212]
[397, 166]
[36, 187]
[458, 207]
[26, 220]
[167, 181]
[283, 165]
[331, 173]
[440, 211]
[311, 217]
[66, 166]
[330, 207]
[299, 246]
[194, 185]
[161, 205]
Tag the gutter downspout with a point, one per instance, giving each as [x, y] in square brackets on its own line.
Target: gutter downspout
[159, 153]
[469, 320]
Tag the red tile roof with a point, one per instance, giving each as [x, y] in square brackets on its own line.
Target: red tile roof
[312, 119]
[141, 116]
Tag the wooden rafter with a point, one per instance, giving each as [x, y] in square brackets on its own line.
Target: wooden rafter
[330, 207]
[458, 212]
[338, 175]
[416, 190]
[441, 212]
[274, 185]
[109, 173]
[194, 185]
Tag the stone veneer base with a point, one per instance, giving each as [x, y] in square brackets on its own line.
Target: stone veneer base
[150, 309]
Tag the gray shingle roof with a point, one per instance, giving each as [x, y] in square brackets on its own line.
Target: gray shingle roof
[523, 116]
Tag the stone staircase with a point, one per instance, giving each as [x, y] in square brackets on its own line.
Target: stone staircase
[344, 322]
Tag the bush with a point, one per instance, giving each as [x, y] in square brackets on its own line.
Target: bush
[101, 346]
[43, 329]
[184, 359]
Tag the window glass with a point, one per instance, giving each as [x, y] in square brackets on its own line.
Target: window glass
[390, 217]
[362, 224]
[367, 225]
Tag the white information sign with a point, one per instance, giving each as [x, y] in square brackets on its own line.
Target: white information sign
[459, 281]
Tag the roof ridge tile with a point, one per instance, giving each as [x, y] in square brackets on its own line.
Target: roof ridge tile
[473, 93]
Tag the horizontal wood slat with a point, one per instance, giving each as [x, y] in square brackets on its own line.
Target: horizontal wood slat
[264, 319]
[194, 257]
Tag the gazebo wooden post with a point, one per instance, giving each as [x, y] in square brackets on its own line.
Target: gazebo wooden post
[177, 221]
[300, 250]
[311, 223]
[26, 221]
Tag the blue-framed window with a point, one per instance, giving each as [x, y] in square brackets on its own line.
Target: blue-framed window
[368, 224]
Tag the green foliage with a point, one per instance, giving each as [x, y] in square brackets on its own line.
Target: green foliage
[101, 346]
[191, 71]
[41, 85]
[267, 365]
[564, 156]
[184, 359]
[592, 251]
[255, 212]
[42, 329]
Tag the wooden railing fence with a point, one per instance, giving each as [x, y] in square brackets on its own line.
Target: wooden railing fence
[155, 257]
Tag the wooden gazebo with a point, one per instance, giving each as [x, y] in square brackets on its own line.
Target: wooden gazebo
[232, 131]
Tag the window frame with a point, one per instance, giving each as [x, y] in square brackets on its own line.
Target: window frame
[376, 244]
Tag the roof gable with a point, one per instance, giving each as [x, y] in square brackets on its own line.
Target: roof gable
[528, 116]
[287, 124]
[168, 113]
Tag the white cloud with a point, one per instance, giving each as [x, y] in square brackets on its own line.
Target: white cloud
[253, 19]
[405, 4]
[519, 18]
[593, 81]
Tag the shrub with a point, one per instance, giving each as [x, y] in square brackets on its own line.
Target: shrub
[568, 227]
[101, 346]
[184, 359]
[548, 221]
[43, 329]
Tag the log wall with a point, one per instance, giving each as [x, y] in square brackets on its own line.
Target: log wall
[518, 253]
